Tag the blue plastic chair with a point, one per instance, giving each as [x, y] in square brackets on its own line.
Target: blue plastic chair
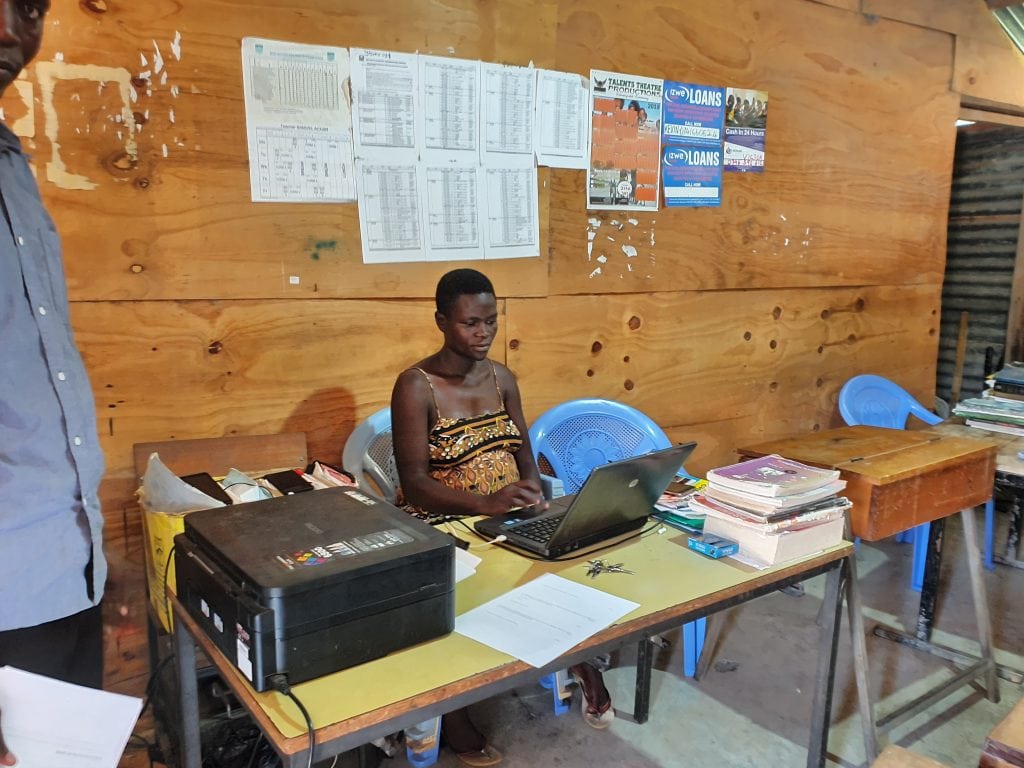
[875, 401]
[575, 436]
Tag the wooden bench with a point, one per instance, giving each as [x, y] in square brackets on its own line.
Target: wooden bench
[1004, 747]
[898, 757]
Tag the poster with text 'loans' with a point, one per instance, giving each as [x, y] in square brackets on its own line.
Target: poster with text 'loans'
[625, 142]
[691, 152]
[746, 118]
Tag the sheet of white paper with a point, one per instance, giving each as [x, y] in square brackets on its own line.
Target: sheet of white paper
[542, 619]
[298, 121]
[452, 206]
[448, 115]
[385, 92]
[465, 564]
[563, 119]
[507, 110]
[512, 227]
[390, 224]
[51, 724]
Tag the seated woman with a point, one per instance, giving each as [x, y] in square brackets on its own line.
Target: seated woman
[462, 448]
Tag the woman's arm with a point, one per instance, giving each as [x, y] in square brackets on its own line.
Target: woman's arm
[411, 419]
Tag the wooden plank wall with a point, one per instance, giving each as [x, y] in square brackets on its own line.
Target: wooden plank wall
[729, 325]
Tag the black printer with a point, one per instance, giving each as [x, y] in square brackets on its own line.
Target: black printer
[307, 584]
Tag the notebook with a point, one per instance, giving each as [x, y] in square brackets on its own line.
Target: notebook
[615, 499]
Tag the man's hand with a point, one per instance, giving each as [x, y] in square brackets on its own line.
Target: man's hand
[6, 758]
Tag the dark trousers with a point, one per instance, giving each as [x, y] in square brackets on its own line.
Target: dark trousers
[69, 649]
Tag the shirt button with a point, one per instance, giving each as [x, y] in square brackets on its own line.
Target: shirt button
[42, 310]
[77, 440]
[21, 240]
[61, 376]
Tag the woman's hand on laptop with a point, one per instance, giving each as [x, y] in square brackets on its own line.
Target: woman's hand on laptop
[519, 496]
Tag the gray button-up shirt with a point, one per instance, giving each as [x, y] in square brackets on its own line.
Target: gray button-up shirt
[50, 458]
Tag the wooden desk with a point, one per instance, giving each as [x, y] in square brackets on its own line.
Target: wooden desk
[897, 480]
[1004, 747]
[672, 585]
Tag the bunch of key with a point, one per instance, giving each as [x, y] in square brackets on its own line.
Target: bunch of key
[594, 567]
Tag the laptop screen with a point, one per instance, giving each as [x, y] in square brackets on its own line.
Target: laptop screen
[620, 492]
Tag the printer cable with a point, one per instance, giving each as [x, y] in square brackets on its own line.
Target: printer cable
[279, 682]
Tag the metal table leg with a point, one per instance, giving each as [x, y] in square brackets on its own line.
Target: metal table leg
[976, 668]
[930, 588]
[828, 645]
[189, 747]
[644, 663]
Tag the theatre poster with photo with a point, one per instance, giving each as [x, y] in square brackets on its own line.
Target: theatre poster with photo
[746, 118]
[625, 142]
[691, 150]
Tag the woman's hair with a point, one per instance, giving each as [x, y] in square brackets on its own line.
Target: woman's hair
[460, 282]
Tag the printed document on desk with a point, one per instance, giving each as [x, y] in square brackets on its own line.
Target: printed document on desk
[51, 724]
[542, 619]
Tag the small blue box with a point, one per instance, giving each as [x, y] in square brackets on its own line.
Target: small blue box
[713, 546]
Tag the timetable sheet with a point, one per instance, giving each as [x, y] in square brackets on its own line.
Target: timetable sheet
[298, 122]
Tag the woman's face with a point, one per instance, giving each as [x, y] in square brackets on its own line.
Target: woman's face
[470, 327]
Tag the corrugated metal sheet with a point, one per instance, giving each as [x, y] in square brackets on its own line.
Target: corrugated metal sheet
[1012, 20]
[984, 225]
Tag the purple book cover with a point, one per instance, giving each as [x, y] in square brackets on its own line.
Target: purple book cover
[771, 475]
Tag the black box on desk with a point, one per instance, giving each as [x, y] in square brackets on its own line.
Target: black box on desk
[308, 584]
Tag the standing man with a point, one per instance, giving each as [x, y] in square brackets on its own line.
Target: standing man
[52, 568]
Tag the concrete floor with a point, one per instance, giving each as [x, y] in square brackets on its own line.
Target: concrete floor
[752, 711]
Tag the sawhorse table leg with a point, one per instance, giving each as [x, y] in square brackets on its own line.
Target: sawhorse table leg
[984, 667]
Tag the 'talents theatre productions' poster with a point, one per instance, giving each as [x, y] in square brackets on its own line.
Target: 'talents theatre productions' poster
[625, 142]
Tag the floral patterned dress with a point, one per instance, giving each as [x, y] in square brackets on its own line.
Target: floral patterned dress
[474, 454]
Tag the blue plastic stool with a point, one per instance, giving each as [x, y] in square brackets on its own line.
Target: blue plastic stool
[558, 684]
[693, 645]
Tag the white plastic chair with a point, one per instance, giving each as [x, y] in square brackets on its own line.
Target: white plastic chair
[368, 453]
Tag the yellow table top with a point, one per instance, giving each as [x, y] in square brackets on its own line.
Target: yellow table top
[667, 575]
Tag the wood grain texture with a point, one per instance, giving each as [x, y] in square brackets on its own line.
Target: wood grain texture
[897, 757]
[722, 367]
[840, 203]
[750, 316]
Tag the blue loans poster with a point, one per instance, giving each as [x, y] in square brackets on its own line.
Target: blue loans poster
[692, 176]
[691, 152]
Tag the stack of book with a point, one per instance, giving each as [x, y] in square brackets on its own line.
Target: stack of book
[1001, 406]
[776, 509]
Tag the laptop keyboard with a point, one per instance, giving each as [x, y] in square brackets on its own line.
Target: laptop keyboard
[539, 530]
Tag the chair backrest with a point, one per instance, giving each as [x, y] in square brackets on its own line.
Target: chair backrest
[877, 402]
[578, 435]
[369, 453]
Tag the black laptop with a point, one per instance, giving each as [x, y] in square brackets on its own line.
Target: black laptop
[615, 499]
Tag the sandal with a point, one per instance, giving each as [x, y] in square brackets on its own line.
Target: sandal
[481, 758]
[599, 717]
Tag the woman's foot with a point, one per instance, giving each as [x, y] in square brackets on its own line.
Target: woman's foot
[597, 702]
[481, 758]
[466, 741]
